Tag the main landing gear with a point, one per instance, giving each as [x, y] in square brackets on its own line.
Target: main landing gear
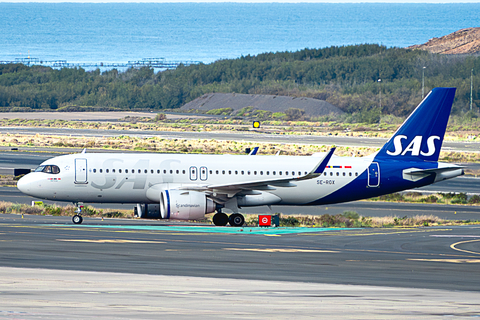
[235, 219]
[77, 218]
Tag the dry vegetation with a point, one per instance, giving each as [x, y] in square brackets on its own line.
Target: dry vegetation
[457, 130]
[156, 144]
[348, 219]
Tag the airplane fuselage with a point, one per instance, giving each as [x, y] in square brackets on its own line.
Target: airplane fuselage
[126, 178]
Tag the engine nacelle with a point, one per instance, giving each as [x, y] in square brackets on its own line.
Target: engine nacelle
[185, 205]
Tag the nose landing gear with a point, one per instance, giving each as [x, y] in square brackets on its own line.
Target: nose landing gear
[77, 218]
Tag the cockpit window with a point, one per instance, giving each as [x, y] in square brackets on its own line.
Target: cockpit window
[48, 169]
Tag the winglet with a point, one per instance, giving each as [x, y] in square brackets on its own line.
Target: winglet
[318, 170]
[253, 152]
[321, 166]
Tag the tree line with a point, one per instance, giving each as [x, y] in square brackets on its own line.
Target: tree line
[365, 78]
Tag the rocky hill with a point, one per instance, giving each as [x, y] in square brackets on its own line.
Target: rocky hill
[464, 41]
[312, 107]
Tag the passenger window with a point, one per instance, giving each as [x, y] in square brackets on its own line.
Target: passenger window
[350, 174]
[94, 170]
[164, 171]
[101, 170]
[171, 171]
[255, 172]
[236, 172]
[338, 174]
[120, 170]
[158, 171]
[139, 171]
[126, 170]
[268, 173]
[243, 172]
[331, 173]
[344, 174]
[223, 171]
[356, 174]
[183, 171]
[177, 172]
[261, 173]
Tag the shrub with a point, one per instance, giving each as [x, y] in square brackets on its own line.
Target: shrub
[392, 197]
[289, 222]
[474, 199]
[53, 210]
[160, 117]
[430, 199]
[351, 215]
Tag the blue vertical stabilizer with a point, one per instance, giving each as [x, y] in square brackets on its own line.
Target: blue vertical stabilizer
[420, 137]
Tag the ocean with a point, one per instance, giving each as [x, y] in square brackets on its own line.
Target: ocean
[206, 32]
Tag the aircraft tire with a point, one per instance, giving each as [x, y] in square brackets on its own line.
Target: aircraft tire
[236, 220]
[220, 219]
[77, 219]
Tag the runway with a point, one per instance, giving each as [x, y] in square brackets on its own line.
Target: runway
[383, 257]
[151, 269]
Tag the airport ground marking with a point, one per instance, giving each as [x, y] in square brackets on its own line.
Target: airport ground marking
[110, 241]
[210, 229]
[274, 250]
[448, 260]
[372, 232]
[454, 246]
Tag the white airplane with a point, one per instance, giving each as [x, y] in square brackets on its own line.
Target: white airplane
[186, 186]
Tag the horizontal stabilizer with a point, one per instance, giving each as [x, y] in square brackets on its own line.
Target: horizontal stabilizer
[442, 173]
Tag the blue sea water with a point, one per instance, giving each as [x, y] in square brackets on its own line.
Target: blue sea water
[120, 32]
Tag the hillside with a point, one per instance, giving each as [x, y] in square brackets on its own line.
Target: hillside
[346, 77]
[273, 103]
[464, 41]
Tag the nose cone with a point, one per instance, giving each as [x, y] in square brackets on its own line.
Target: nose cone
[24, 184]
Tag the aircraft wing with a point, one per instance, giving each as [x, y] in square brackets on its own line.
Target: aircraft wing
[233, 188]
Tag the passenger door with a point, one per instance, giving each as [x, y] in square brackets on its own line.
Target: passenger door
[81, 171]
[374, 175]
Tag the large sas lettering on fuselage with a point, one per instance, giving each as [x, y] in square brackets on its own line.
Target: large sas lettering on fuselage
[414, 146]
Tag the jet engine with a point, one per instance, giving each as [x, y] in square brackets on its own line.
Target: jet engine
[185, 205]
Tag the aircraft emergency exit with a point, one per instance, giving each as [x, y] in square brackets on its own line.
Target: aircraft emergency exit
[187, 186]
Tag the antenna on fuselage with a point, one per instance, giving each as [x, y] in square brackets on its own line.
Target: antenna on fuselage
[84, 150]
